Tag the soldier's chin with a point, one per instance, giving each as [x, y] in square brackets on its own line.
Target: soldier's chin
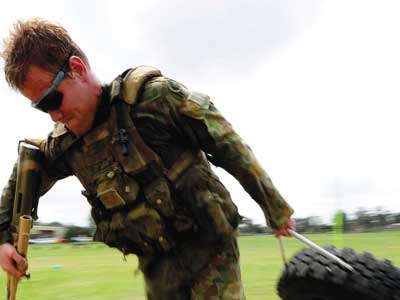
[77, 130]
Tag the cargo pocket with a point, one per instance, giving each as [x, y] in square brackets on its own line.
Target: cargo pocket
[116, 189]
[103, 234]
[158, 195]
[209, 202]
[110, 231]
[211, 214]
[222, 196]
[143, 223]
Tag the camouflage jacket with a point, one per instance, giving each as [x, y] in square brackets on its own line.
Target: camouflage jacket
[170, 119]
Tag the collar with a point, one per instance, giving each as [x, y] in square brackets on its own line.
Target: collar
[102, 111]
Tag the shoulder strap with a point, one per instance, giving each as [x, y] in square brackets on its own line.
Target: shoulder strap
[130, 84]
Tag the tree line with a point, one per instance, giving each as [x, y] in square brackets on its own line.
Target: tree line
[362, 220]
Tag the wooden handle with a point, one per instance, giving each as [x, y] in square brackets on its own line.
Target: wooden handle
[24, 229]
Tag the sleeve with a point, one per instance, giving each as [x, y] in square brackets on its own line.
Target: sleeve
[204, 127]
[49, 176]
[6, 206]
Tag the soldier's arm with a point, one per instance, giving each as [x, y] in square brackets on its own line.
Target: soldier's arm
[227, 150]
[6, 206]
[9, 257]
[201, 125]
[49, 175]
[7, 201]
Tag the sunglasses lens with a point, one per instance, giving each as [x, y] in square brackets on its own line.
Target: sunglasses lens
[51, 102]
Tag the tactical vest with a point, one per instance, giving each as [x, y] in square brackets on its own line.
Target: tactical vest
[127, 184]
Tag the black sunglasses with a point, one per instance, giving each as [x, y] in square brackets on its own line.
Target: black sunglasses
[52, 99]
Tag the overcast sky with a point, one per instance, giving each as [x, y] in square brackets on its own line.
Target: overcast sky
[312, 86]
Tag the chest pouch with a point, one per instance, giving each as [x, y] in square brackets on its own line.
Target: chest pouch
[146, 228]
[115, 188]
[140, 160]
[158, 195]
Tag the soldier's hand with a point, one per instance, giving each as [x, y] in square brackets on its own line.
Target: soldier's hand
[290, 224]
[10, 259]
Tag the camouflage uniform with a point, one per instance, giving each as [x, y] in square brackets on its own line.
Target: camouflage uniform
[152, 190]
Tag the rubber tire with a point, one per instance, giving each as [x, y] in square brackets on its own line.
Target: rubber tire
[311, 276]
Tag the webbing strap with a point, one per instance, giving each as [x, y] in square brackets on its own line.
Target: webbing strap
[34, 142]
[130, 82]
[186, 159]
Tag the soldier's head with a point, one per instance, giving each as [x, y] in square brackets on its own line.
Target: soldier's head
[47, 66]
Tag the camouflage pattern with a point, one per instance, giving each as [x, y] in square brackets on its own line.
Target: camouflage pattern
[199, 124]
[221, 279]
[6, 207]
[163, 202]
[210, 273]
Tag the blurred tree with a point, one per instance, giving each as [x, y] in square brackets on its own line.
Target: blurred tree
[74, 231]
[247, 226]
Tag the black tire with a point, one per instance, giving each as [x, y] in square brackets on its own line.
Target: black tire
[311, 276]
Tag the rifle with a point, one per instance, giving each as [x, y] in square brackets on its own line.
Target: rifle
[25, 204]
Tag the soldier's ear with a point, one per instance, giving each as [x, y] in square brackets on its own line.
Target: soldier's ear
[77, 67]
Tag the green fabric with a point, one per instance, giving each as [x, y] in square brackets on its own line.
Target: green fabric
[197, 272]
[6, 207]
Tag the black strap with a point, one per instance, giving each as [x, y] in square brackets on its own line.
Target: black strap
[123, 137]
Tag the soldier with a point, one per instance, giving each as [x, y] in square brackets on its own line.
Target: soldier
[141, 148]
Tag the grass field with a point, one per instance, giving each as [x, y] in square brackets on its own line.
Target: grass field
[96, 272]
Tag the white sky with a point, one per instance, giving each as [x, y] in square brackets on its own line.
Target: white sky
[312, 86]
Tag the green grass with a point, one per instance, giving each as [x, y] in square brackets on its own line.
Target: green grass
[96, 272]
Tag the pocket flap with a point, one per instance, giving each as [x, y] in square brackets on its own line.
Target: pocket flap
[158, 195]
[111, 198]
